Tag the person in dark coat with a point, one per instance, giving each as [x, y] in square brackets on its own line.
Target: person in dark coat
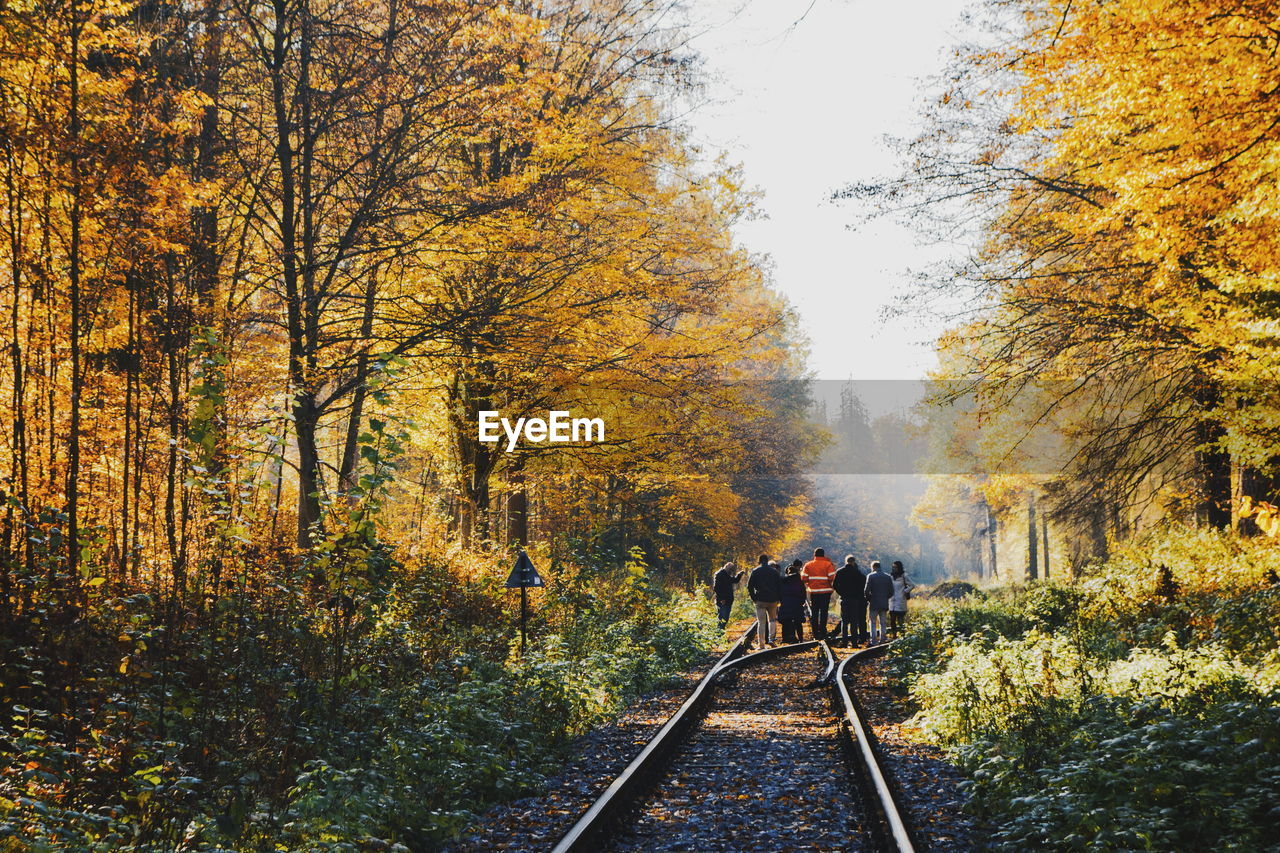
[878, 592]
[765, 588]
[851, 584]
[724, 583]
[791, 610]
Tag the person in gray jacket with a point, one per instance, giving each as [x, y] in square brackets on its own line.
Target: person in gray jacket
[879, 592]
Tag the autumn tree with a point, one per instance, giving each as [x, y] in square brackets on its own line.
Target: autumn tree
[97, 214]
[1120, 224]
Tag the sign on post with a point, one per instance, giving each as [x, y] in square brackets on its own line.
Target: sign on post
[524, 575]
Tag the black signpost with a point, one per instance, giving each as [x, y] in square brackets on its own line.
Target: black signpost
[524, 575]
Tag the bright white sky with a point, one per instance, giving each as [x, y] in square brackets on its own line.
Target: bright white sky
[805, 108]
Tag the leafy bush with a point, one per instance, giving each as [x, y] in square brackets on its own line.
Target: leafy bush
[1000, 689]
[1201, 585]
[1136, 777]
[303, 718]
[1136, 710]
[1009, 613]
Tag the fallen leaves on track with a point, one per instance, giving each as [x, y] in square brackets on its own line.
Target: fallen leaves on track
[763, 771]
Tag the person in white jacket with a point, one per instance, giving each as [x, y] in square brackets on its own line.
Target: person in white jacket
[898, 604]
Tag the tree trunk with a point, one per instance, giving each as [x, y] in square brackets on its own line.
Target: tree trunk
[1033, 568]
[1215, 470]
[18, 409]
[279, 474]
[465, 514]
[479, 496]
[139, 460]
[992, 539]
[351, 446]
[517, 510]
[298, 307]
[1119, 523]
[73, 438]
[309, 479]
[204, 266]
[177, 559]
[1044, 535]
[127, 453]
[1098, 529]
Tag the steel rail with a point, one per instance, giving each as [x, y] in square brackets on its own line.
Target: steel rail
[595, 823]
[897, 836]
[766, 654]
[831, 663]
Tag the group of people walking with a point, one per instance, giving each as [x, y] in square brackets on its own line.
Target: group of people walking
[872, 604]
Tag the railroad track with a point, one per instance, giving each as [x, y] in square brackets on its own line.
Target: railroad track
[768, 742]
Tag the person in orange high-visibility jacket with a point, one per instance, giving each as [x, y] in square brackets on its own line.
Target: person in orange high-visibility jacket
[818, 574]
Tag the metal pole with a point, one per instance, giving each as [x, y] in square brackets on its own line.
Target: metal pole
[524, 614]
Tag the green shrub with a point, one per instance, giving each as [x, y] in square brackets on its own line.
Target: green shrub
[1136, 710]
[1015, 691]
[1136, 777]
[935, 631]
[292, 719]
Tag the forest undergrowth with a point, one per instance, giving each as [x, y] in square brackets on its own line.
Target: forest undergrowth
[274, 716]
[1135, 708]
